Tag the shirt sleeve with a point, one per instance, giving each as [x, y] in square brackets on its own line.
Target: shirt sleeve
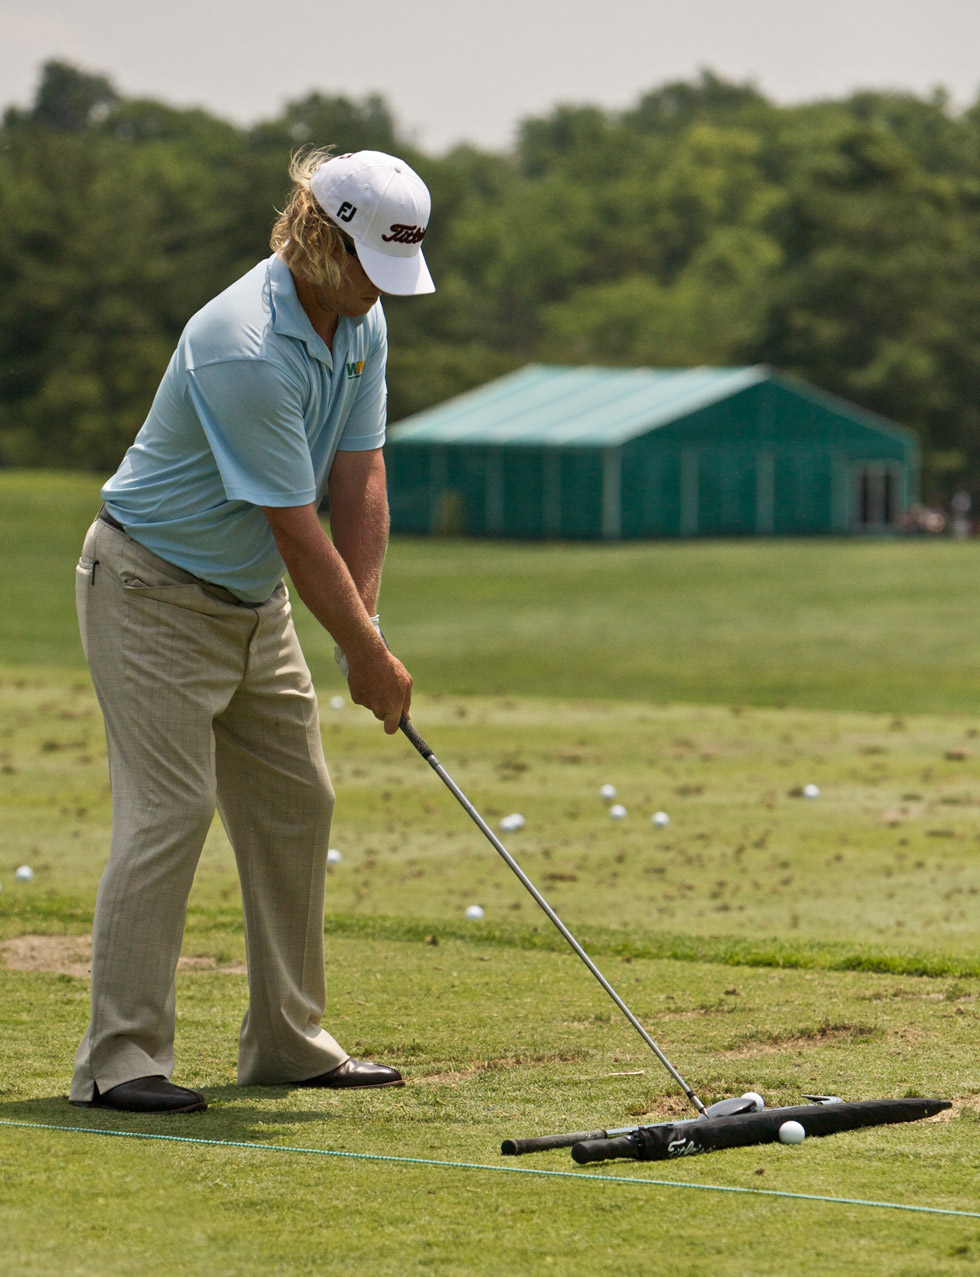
[365, 425]
[252, 415]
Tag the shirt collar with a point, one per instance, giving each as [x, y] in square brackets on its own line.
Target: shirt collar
[289, 319]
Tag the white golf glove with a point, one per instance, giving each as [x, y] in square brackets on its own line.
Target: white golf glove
[341, 659]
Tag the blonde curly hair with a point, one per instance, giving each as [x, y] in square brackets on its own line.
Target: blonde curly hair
[303, 236]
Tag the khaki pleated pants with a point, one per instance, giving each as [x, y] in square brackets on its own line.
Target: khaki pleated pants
[208, 704]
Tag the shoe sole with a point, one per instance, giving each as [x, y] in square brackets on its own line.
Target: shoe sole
[366, 1086]
[360, 1086]
[114, 1108]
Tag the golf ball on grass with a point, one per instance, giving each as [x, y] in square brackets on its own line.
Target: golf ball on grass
[617, 811]
[24, 873]
[659, 819]
[334, 857]
[811, 791]
[514, 821]
[337, 702]
[474, 911]
[791, 1133]
[757, 1098]
[607, 792]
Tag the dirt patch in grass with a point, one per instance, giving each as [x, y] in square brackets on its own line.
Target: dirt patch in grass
[668, 1108]
[63, 955]
[204, 962]
[962, 1105]
[823, 1036]
[72, 955]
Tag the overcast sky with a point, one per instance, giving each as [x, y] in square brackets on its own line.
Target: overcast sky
[453, 70]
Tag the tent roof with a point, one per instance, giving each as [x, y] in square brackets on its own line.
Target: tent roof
[586, 407]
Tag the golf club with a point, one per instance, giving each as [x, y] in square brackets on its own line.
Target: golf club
[420, 744]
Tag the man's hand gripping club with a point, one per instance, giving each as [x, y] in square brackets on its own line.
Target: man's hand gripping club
[373, 679]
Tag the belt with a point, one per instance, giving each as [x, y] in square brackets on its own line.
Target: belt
[106, 517]
[215, 591]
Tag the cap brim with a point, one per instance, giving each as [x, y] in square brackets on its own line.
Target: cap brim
[397, 276]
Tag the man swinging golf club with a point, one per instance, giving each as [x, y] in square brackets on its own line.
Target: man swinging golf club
[274, 397]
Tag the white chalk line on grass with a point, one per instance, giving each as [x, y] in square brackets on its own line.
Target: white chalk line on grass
[478, 1166]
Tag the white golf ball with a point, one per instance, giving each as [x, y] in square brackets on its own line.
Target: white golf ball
[337, 702]
[660, 818]
[514, 821]
[791, 1133]
[617, 811]
[24, 873]
[333, 856]
[811, 791]
[607, 792]
[474, 911]
[754, 1095]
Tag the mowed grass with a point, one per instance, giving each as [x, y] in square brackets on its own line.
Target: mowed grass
[769, 941]
[888, 626]
[500, 1042]
[881, 871]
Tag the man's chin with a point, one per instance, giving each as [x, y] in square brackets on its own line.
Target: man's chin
[361, 307]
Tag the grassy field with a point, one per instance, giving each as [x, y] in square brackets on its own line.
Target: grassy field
[769, 941]
[887, 626]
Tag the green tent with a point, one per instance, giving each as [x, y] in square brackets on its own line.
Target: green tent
[610, 453]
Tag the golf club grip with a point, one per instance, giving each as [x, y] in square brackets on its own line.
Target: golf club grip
[601, 1150]
[539, 1143]
[416, 739]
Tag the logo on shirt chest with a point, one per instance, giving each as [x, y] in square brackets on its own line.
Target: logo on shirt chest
[354, 369]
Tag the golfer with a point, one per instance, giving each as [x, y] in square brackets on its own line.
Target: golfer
[274, 398]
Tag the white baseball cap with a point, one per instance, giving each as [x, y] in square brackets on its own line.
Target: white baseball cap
[383, 205]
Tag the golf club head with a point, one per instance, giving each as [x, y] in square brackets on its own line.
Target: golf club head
[751, 1102]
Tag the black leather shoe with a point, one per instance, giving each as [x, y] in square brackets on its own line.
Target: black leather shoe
[147, 1095]
[354, 1073]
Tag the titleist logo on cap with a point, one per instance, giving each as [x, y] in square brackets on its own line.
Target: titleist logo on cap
[401, 234]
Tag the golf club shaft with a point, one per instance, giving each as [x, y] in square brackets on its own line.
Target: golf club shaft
[417, 740]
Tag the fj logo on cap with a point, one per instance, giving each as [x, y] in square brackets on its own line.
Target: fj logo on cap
[347, 211]
[401, 234]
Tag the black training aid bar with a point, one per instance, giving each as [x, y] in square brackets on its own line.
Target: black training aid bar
[542, 1143]
[685, 1139]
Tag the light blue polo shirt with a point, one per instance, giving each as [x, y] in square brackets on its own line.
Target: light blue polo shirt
[250, 413]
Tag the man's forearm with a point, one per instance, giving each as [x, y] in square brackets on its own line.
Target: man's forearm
[361, 539]
[322, 577]
[359, 520]
[376, 678]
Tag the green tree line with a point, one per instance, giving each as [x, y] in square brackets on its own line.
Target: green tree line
[838, 240]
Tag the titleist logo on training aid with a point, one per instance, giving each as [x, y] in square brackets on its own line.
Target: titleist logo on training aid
[681, 1146]
[401, 234]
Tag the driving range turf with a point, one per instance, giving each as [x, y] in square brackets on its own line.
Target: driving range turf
[768, 941]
